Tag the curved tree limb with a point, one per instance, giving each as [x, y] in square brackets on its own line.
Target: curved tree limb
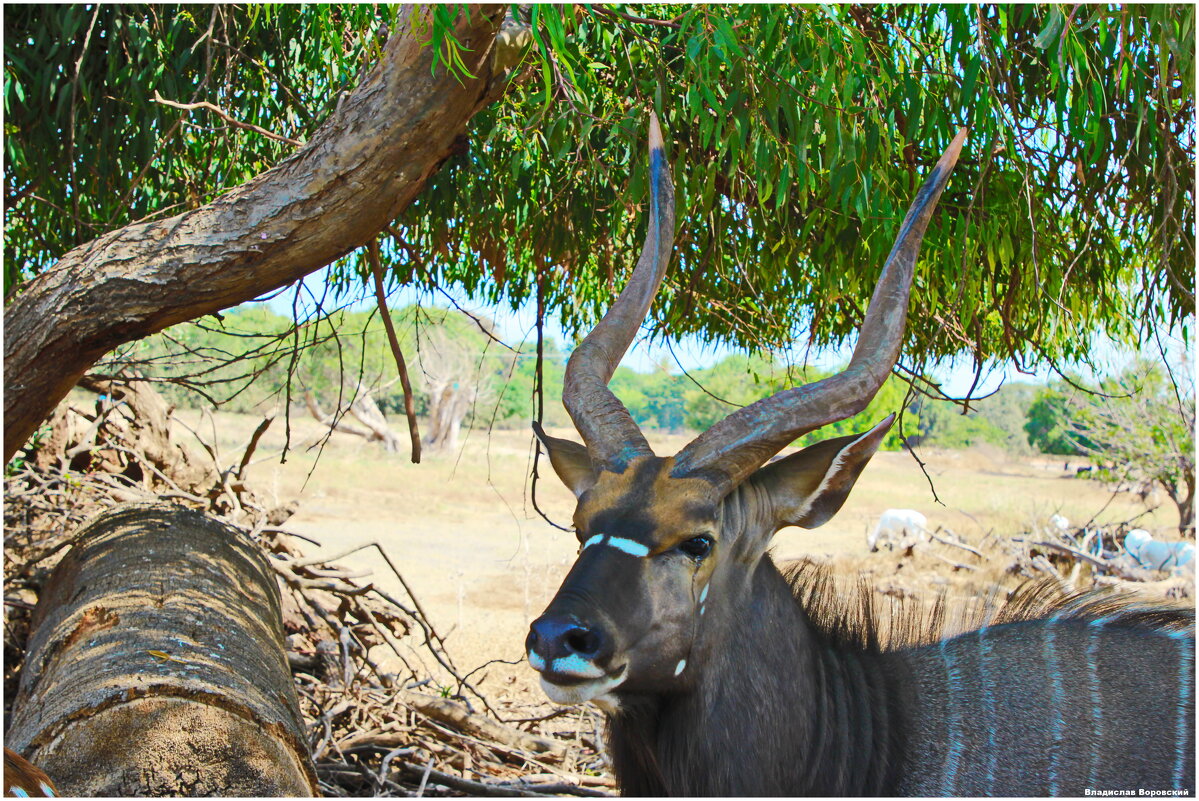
[359, 171]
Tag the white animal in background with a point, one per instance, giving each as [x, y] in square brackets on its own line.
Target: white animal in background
[903, 527]
[1059, 523]
[1156, 554]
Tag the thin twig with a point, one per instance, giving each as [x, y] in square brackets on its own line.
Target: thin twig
[643, 20]
[372, 250]
[227, 117]
[946, 541]
[257, 435]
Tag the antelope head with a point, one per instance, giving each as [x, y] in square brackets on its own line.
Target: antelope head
[668, 545]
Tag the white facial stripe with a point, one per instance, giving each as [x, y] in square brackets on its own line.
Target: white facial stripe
[575, 665]
[631, 547]
[679, 667]
[703, 596]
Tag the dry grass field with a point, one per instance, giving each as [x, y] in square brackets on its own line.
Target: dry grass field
[463, 532]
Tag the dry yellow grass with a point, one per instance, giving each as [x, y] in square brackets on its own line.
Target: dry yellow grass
[463, 532]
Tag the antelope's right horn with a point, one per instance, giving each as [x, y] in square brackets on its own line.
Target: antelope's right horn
[611, 435]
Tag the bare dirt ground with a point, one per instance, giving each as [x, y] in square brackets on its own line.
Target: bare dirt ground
[462, 530]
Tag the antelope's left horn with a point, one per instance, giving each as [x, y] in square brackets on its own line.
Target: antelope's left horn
[742, 442]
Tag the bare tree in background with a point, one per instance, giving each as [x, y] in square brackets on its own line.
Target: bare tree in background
[1144, 423]
[452, 378]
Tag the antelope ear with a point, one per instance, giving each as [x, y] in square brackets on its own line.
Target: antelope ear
[809, 487]
[571, 461]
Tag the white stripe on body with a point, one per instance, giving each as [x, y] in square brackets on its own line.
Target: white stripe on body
[1093, 628]
[984, 653]
[1055, 701]
[953, 723]
[1185, 654]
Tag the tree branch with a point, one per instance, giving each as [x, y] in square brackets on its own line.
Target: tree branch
[227, 117]
[362, 168]
[402, 366]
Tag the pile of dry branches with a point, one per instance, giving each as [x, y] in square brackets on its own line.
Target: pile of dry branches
[1076, 559]
[370, 668]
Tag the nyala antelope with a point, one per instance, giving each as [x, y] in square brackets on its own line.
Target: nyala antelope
[716, 673]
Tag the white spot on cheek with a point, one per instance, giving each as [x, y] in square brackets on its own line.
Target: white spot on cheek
[679, 667]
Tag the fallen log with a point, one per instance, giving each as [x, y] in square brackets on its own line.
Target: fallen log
[157, 665]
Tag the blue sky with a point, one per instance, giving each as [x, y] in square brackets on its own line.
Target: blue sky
[516, 328]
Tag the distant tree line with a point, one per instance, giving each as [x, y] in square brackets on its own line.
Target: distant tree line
[1137, 426]
[241, 362]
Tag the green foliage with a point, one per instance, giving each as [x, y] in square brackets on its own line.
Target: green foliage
[238, 361]
[655, 400]
[88, 149]
[242, 361]
[19, 462]
[998, 420]
[1048, 426]
[1143, 427]
[891, 399]
[798, 135]
[733, 382]
[739, 381]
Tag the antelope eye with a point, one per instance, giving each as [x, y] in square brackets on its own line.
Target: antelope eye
[697, 547]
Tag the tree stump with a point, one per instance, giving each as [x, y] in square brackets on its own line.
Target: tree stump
[157, 665]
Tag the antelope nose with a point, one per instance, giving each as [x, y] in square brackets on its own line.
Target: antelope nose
[552, 638]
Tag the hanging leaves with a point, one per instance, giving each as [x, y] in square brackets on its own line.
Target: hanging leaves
[797, 133]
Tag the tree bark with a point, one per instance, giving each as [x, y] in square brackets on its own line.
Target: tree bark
[157, 665]
[361, 169]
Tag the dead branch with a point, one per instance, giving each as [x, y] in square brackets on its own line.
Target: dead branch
[227, 117]
[454, 714]
[401, 365]
[955, 565]
[367, 412]
[354, 714]
[936, 535]
[253, 445]
[1104, 565]
[334, 422]
[468, 786]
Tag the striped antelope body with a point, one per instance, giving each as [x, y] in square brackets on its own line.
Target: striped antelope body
[720, 676]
